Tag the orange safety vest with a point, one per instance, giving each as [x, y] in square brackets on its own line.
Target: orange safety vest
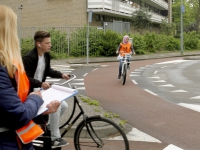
[125, 48]
[30, 131]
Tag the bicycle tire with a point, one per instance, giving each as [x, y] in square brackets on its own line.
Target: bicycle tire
[124, 74]
[105, 132]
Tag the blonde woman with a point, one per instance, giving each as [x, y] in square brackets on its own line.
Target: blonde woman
[17, 108]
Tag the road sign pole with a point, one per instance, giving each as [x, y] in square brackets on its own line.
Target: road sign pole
[181, 42]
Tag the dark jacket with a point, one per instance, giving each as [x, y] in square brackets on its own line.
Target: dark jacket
[13, 113]
[30, 61]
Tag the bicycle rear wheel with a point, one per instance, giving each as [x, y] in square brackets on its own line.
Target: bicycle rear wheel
[100, 134]
[124, 74]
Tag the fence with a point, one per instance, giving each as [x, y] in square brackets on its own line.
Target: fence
[64, 39]
[72, 40]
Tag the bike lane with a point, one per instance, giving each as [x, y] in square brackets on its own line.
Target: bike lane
[167, 122]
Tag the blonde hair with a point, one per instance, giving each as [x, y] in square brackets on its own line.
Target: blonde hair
[9, 42]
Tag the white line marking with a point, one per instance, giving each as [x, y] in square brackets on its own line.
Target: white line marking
[173, 61]
[172, 147]
[78, 80]
[194, 107]
[154, 77]
[81, 83]
[155, 72]
[85, 74]
[179, 91]
[135, 72]
[137, 135]
[80, 88]
[65, 69]
[196, 97]
[105, 65]
[164, 67]
[134, 82]
[167, 85]
[159, 81]
[150, 92]
[61, 66]
[95, 69]
[138, 70]
[53, 80]
[131, 75]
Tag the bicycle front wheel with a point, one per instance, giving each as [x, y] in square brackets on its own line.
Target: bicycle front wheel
[124, 74]
[100, 134]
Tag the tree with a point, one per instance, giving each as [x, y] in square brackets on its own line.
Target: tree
[141, 19]
[188, 14]
[195, 5]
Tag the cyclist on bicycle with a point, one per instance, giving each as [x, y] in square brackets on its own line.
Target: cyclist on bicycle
[124, 47]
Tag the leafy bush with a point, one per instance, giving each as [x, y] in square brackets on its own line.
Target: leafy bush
[191, 40]
[26, 45]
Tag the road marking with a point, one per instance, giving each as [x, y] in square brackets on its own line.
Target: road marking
[85, 74]
[155, 72]
[134, 82]
[104, 65]
[163, 66]
[194, 107]
[138, 70]
[196, 97]
[137, 135]
[154, 77]
[81, 83]
[150, 92]
[131, 75]
[61, 66]
[159, 81]
[179, 91]
[172, 147]
[167, 85]
[135, 72]
[80, 88]
[78, 80]
[53, 80]
[95, 69]
[173, 61]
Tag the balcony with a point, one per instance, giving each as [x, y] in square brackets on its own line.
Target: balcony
[159, 4]
[118, 9]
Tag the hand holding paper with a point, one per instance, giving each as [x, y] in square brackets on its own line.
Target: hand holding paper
[56, 92]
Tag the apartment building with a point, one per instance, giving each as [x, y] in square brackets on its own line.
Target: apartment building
[75, 12]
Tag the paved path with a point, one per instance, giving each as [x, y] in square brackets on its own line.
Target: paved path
[159, 118]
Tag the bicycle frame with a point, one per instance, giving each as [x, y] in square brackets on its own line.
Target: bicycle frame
[125, 61]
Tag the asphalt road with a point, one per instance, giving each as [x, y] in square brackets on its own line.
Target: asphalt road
[162, 119]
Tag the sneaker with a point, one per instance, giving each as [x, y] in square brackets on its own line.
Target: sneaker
[58, 143]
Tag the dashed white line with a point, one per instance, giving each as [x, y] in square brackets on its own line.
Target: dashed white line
[159, 81]
[134, 82]
[167, 85]
[135, 72]
[155, 72]
[179, 91]
[150, 92]
[154, 77]
[132, 75]
[85, 74]
[95, 69]
[196, 97]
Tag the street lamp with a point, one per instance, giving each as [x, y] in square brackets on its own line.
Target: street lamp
[19, 26]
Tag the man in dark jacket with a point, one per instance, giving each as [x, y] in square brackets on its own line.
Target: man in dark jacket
[37, 67]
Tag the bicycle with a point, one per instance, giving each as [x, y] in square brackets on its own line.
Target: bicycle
[88, 134]
[125, 66]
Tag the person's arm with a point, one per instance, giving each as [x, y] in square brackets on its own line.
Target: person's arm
[118, 49]
[13, 113]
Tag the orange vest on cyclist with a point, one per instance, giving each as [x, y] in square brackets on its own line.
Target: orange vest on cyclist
[125, 48]
[30, 131]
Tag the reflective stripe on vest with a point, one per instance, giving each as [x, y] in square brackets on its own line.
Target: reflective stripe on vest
[125, 48]
[30, 131]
